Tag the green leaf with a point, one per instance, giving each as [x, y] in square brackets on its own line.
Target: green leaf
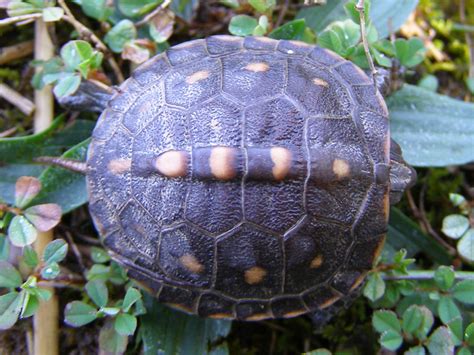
[10, 308]
[440, 342]
[386, 321]
[4, 247]
[111, 342]
[51, 14]
[136, 8]
[262, 5]
[469, 334]
[18, 8]
[161, 26]
[97, 9]
[30, 305]
[185, 9]
[455, 225]
[242, 25]
[21, 232]
[30, 257]
[391, 340]
[466, 246]
[75, 52]
[340, 36]
[352, 11]
[166, 331]
[120, 34]
[79, 313]
[44, 217]
[50, 271]
[412, 319]
[125, 324]
[444, 277]
[410, 52]
[414, 110]
[470, 84]
[292, 30]
[132, 296]
[463, 291]
[98, 272]
[99, 255]
[9, 275]
[375, 287]
[455, 326]
[67, 85]
[427, 323]
[429, 82]
[319, 17]
[55, 251]
[98, 292]
[417, 350]
[448, 310]
[320, 351]
[230, 3]
[110, 311]
[404, 233]
[26, 189]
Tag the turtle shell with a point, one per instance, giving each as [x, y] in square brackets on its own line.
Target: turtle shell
[243, 178]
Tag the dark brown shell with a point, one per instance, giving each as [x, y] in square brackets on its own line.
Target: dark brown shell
[246, 247]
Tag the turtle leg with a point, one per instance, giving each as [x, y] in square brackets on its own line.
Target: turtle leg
[402, 175]
[321, 317]
[69, 164]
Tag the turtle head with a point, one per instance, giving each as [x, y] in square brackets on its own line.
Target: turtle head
[402, 175]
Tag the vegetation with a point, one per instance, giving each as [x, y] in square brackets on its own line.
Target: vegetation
[419, 297]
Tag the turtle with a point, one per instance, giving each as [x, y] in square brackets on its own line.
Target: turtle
[245, 178]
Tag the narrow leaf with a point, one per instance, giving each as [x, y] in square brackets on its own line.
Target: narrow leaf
[55, 251]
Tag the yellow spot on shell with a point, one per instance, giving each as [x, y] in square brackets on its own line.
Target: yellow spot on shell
[329, 302]
[191, 263]
[173, 163]
[197, 76]
[358, 281]
[221, 316]
[340, 168]
[316, 262]
[379, 248]
[386, 206]
[222, 163]
[257, 67]
[281, 158]
[255, 275]
[258, 316]
[181, 307]
[296, 313]
[119, 166]
[265, 39]
[320, 82]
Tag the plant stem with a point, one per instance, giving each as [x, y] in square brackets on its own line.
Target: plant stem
[427, 275]
[468, 36]
[360, 7]
[87, 33]
[15, 19]
[152, 14]
[46, 318]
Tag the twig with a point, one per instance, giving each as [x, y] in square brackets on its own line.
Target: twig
[281, 15]
[17, 51]
[46, 318]
[452, 251]
[361, 9]
[427, 275]
[76, 252]
[21, 18]
[8, 133]
[152, 14]
[16, 99]
[87, 33]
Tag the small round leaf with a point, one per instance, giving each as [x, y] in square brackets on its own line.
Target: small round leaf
[51, 14]
[21, 232]
[98, 292]
[79, 313]
[444, 277]
[463, 291]
[448, 310]
[99, 255]
[132, 296]
[75, 52]
[55, 251]
[44, 217]
[375, 287]
[417, 350]
[30, 257]
[242, 25]
[455, 225]
[26, 189]
[440, 341]
[50, 271]
[469, 334]
[385, 321]
[125, 324]
[9, 276]
[120, 34]
[67, 85]
[412, 319]
[466, 246]
[10, 308]
[391, 340]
